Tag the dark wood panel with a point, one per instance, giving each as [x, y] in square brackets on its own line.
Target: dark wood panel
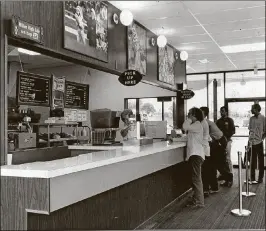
[124, 207]
[19, 194]
[40, 154]
[3, 82]
[49, 14]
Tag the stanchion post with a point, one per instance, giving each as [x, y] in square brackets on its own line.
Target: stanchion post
[247, 193]
[240, 212]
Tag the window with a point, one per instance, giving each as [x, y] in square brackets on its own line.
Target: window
[245, 84]
[150, 109]
[132, 104]
[198, 84]
[220, 93]
[154, 109]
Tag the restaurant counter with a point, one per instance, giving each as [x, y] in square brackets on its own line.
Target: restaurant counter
[117, 188]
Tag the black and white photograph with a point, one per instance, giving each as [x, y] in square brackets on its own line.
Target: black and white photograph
[86, 28]
[137, 48]
[166, 65]
[133, 115]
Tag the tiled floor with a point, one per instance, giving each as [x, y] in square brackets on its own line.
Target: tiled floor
[217, 211]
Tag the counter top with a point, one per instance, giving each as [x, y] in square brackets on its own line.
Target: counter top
[87, 161]
[93, 147]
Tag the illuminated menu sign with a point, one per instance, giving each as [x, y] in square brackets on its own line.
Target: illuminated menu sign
[76, 95]
[33, 89]
[130, 78]
[25, 30]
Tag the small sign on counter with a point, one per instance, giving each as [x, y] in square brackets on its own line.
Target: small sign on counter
[130, 78]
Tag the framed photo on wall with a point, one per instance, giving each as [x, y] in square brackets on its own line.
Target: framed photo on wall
[166, 65]
[137, 48]
[86, 28]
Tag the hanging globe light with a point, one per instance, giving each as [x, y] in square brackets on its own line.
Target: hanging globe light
[183, 55]
[161, 41]
[126, 17]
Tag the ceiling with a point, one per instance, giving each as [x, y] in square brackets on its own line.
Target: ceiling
[202, 27]
[33, 61]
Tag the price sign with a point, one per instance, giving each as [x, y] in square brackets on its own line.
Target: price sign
[130, 78]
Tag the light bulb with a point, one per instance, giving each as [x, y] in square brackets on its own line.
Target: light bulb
[161, 41]
[183, 55]
[126, 17]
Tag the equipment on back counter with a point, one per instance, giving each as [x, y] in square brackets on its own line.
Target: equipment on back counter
[20, 135]
[104, 124]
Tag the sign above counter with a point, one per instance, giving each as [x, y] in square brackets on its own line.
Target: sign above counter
[130, 78]
[25, 30]
[186, 94]
[76, 95]
[33, 89]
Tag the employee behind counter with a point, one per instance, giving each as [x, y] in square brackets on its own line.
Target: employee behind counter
[126, 131]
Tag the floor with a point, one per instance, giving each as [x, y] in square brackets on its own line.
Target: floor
[217, 211]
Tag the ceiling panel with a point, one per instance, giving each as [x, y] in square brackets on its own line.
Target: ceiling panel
[191, 39]
[239, 34]
[225, 16]
[204, 7]
[242, 40]
[235, 25]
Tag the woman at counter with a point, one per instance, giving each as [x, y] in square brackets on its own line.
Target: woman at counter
[195, 154]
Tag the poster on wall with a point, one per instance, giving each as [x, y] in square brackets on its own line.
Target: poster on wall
[137, 48]
[166, 65]
[86, 28]
[58, 92]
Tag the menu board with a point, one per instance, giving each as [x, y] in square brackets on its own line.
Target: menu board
[33, 89]
[77, 95]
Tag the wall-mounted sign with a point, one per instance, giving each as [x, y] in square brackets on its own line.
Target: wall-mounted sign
[25, 30]
[58, 92]
[130, 78]
[33, 89]
[186, 94]
[77, 95]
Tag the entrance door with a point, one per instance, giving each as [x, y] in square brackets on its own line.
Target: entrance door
[240, 111]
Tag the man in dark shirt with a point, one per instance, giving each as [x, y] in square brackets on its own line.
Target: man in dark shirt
[226, 125]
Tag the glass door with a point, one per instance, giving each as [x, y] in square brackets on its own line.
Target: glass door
[240, 111]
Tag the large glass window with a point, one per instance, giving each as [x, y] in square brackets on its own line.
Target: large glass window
[132, 104]
[169, 114]
[153, 109]
[245, 84]
[219, 77]
[150, 109]
[198, 84]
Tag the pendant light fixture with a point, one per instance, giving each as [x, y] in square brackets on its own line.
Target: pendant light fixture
[161, 40]
[126, 17]
[183, 55]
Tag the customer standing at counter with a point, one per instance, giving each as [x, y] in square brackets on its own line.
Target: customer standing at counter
[226, 125]
[206, 164]
[195, 154]
[218, 155]
[257, 133]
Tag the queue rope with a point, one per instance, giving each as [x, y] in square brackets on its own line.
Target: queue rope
[240, 212]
